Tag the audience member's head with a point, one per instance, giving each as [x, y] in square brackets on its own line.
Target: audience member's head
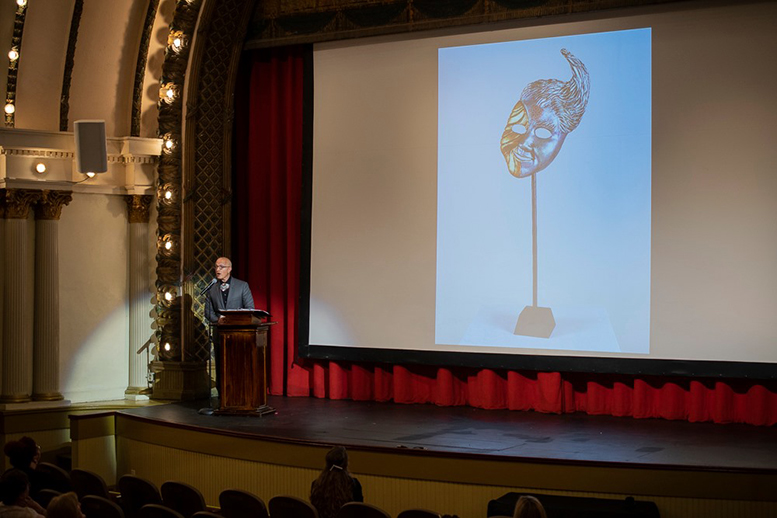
[23, 454]
[337, 460]
[14, 487]
[334, 486]
[529, 507]
[64, 506]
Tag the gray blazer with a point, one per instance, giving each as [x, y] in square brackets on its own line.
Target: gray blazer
[239, 298]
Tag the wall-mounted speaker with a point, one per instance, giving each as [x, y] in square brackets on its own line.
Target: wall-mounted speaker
[91, 146]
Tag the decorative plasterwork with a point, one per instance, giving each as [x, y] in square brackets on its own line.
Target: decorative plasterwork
[64, 99]
[285, 22]
[13, 64]
[37, 153]
[170, 307]
[132, 163]
[207, 171]
[18, 202]
[197, 206]
[63, 154]
[50, 204]
[140, 67]
[138, 206]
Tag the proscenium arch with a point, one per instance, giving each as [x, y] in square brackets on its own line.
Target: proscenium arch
[198, 170]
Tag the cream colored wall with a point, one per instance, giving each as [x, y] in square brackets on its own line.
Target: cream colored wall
[42, 64]
[149, 122]
[103, 74]
[94, 313]
[104, 63]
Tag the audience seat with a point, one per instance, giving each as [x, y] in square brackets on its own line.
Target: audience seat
[206, 514]
[361, 510]
[137, 492]
[99, 507]
[45, 496]
[557, 506]
[182, 497]
[235, 503]
[418, 513]
[283, 506]
[54, 477]
[158, 511]
[88, 483]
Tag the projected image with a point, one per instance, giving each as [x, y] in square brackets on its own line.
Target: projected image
[554, 255]
[547, 112]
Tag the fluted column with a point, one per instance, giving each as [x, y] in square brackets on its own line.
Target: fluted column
[45, 352]
[139, 294]
[17, 298]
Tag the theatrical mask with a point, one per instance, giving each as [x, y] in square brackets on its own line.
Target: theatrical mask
[540, 121]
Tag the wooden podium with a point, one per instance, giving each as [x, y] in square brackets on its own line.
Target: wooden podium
[243, 387]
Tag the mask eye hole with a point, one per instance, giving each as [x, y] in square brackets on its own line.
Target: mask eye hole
[542, 133]
[520, 129]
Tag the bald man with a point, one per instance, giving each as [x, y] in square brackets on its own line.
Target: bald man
[226, 293]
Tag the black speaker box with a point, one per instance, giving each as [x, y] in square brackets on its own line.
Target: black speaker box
[91, 147]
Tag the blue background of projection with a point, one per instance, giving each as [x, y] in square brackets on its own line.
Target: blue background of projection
[593, 199]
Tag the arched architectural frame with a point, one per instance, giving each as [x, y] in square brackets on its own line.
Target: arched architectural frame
[194, 180]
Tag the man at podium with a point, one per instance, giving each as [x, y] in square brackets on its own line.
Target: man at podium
[226, 292]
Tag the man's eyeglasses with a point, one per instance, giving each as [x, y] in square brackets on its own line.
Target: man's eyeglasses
[222, 266]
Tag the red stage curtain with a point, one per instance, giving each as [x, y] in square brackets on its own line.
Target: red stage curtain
[266, 237]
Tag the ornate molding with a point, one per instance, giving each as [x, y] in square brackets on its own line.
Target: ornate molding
[211, 74]
[37, 153]
[169, 320]
[140, 67]
[18, 202]
[13, 65]
[133, 159]
[64, 100]
[285, 22]
[50, 204]
[63, 154]
[138, 206]
[207, 175]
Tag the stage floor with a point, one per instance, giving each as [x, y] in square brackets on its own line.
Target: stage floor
[493, 434]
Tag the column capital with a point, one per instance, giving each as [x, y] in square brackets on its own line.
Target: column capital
[16, 203]
[50, 204]
[138, 207]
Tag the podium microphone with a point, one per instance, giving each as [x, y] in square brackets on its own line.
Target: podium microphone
[204, 291]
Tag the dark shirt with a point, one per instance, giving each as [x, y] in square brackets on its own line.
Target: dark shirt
[357, 490]
[37, 479]
[225, 292]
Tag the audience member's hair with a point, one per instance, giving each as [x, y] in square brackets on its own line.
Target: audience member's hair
[334, 487]
[64, 506]
[21, 453]
[529, 507]
[13, 484]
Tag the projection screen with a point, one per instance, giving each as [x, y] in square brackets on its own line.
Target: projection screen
[582, 195]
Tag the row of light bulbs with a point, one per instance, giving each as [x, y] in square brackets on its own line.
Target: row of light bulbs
[176, 42]
[13, 56]
[168, 92]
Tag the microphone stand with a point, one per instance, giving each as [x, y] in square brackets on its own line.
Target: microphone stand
[209, 409]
